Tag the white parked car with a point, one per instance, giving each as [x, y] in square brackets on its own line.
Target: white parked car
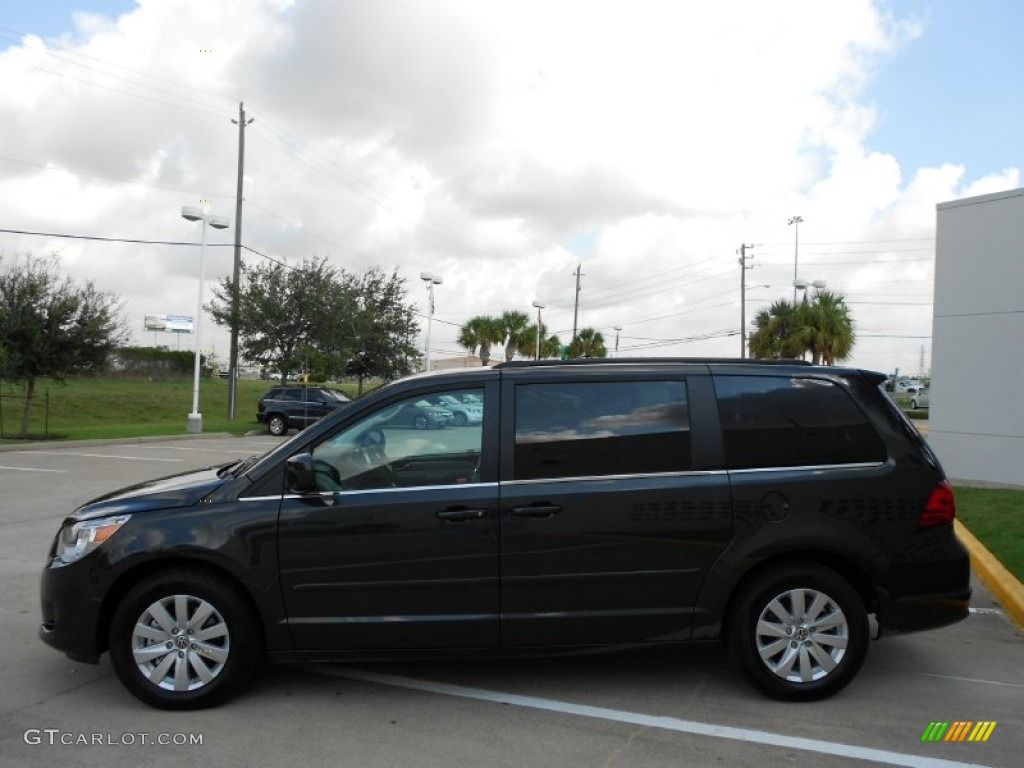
[919, 400]
[909, 386]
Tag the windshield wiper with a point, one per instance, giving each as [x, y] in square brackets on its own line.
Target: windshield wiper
[238, 467]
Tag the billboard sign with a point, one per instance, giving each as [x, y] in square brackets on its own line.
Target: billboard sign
[170, 323]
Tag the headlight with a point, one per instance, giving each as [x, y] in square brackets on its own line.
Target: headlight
[77, 540]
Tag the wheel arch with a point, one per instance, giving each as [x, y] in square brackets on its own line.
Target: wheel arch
[846, 567]
[127, 580]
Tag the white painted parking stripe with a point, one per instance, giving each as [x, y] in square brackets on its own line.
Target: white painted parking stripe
[96, 456]
[665, 723]
[986, 611]
[33, 469]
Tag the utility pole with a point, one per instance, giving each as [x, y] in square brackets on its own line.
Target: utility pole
[236, 270]
[576, 307]
[743, 296]
[796, 221]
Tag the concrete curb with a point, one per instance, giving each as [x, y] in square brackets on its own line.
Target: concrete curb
[1004, 585]
[40, 445]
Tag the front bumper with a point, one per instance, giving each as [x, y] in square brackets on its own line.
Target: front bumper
[71, 614]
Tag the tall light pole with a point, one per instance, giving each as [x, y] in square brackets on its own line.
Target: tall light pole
[796, 221]
[431, 280]
[539, 307]
[618, 330]
[191, 213]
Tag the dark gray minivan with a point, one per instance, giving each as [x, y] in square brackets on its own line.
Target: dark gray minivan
[598, 503]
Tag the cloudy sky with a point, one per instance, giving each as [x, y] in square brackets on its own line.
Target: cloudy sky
[500, 144]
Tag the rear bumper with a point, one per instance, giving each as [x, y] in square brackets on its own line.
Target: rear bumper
[927, 592]
[912, 614]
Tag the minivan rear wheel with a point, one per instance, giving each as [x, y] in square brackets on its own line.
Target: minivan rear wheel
[183, 640]
[277, 425]
[799, 632]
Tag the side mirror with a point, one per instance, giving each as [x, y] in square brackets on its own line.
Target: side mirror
[301, 477]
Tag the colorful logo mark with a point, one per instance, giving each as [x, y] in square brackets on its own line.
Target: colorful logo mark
[958, 730]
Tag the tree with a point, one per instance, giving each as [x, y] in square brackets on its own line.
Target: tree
[51, 327]
[828, 328]
[515, 326]
[317, 318]
[550, 346]
[588, 343]
[821, 327]
[384, 329]
[479, 333]
[283, 311]
[776, 335]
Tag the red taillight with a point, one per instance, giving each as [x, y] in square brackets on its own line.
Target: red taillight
[941, 506]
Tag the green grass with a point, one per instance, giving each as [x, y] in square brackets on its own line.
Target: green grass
[996, 517]
[110, 407]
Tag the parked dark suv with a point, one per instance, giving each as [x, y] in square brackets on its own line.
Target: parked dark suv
[296, 407]
[775, 506]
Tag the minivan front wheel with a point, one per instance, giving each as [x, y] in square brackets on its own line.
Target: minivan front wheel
[799, 632]
[183, 641]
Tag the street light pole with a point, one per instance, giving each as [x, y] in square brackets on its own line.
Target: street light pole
[618, 330]
[539, 307]
[191, 213]
[431, 280]
[796, 221]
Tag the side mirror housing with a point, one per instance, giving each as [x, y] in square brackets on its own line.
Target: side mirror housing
[301, 477]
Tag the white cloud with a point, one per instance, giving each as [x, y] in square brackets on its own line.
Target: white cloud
[486, 141]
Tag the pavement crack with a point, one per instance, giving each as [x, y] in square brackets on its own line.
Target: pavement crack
[614, 754]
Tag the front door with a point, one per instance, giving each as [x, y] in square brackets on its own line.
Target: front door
[398, 548]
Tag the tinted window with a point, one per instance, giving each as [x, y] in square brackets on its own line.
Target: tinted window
[775, 421]
[402, 445]
[601, 428]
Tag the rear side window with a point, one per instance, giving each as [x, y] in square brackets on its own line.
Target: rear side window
[776, 421]
[592, 429]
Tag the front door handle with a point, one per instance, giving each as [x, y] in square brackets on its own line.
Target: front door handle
[542, 511]
[461, 515]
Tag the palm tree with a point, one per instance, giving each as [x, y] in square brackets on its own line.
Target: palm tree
[828, 328]
[550, 346]
[481, 332]
[822, 327]
[777, 332]
[515, 325]
[588, 343]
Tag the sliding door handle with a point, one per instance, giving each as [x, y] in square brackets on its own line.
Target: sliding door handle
[461, 515]
[537, 510]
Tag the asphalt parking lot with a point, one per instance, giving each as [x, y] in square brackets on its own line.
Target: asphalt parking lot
[650, 708]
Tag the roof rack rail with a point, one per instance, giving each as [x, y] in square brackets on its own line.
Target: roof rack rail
[646, 360]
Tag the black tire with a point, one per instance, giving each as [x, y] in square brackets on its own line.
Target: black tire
[167, 668]
[788, 654]
[459, 419]
[278, 425]
[913, 405]
[421, 422]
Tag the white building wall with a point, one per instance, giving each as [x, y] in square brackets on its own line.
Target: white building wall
[977, 390]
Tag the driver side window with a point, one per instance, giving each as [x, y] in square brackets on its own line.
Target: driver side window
[432, 439]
